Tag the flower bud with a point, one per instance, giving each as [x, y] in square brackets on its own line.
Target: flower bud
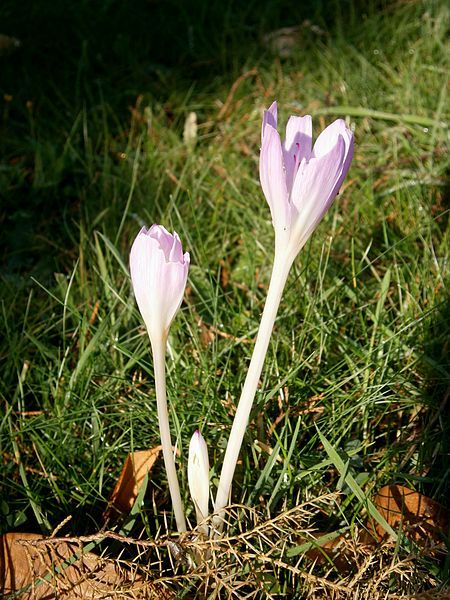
[198, 475]
[158, 273]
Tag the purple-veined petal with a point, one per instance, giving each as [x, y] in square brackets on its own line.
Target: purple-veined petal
[297, 145]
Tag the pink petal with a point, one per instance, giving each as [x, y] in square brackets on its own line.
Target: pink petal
[327, 141]
[176, 252]
[297, 145]
[165, 239]
[273, 178]
[173, 285]
[314, 189]
[347, 134]
[270, 118]
[146, 258]
[328, 138]
[158, 273]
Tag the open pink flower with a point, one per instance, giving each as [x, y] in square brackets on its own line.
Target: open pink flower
[300, 181]
[158, 273]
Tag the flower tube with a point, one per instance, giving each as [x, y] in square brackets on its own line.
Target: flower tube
[300, 182]
[159, 273]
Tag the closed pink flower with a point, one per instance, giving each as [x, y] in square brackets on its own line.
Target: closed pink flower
[158, 273]
[300, 181]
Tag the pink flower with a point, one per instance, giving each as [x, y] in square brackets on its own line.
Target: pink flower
[299, 181]
[158, 273]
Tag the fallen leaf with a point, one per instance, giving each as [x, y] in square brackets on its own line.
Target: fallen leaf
[432, 595]
[135, 468]
[421, 519]
[206, 335]
[341, 550]
[331, 550]
[224, 273]
[37, 568]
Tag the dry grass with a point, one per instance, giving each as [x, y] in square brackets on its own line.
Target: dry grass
[255, 559]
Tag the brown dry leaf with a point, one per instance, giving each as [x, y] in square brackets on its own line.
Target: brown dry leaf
[26, 558]
[330, 550]
[342, 551]
[136, 467]
[206, 334]
[422, 519]
[224, 272]
[432, 595]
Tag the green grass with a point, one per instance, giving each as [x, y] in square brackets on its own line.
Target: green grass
[360, 347]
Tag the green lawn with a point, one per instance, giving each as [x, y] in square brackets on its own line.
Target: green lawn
[91, 139]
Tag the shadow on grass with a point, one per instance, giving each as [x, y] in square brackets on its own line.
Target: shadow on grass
[432, 444]
[67, 92]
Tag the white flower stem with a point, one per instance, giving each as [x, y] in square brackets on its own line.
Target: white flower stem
[159, 363]
[278, 279]
[201, 526]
